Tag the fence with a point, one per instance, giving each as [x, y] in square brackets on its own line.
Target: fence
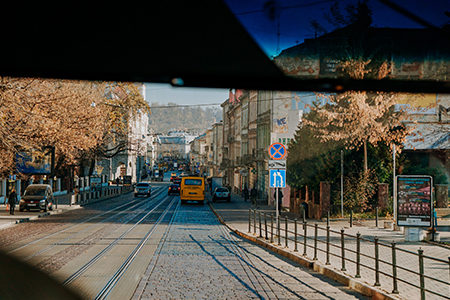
[385, 264]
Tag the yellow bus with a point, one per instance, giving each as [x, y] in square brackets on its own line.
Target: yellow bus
[192, 189]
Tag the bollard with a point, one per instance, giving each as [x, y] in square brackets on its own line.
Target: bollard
[271, 228]
[56, 202]
[249, 220]
[377, 264]
[286, 231]
[328, 245]
[265, 225]
[394, 269]
[305, 229]
[254, 222]
[351, 218]
[295, 236]
[358, 254]
[260, 230]
[328, 218]
[421, 274]
[376, 217]
[343, 251]
[304, 216]
[278, 230]
[316, 231]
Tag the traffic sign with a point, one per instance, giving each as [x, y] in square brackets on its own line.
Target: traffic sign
[277, 178]
[277, 151]
[277, 164]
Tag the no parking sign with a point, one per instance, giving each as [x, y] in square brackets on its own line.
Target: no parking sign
[277, 151]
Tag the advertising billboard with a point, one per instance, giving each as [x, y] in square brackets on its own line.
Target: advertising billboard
[414, 200]
[39, 162]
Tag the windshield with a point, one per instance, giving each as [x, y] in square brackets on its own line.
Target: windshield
[35, 192]
[221, 190]
[142, 185]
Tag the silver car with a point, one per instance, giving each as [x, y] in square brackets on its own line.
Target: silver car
[221, 193]
[143, 188]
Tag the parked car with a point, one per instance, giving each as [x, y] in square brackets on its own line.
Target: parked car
[173, 178]
[174, 189]
[37, 196]
[143, 188]
[221, 193]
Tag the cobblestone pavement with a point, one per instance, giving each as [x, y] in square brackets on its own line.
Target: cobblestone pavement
[236, 216]
[199, 259]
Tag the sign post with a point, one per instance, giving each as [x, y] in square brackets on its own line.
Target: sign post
[277, 177]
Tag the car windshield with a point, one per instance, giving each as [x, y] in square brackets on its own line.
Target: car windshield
[143, 184]
[221, 190]
[35, 192]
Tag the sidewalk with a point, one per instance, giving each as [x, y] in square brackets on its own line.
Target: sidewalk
[236, 215]
[62, 204]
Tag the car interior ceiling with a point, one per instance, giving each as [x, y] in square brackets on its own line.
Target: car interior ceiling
[199, 44]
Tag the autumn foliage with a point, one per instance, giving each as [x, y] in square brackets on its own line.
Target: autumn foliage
[71, 116]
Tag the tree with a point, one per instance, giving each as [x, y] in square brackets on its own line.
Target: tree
[361, 117]
[75, 117]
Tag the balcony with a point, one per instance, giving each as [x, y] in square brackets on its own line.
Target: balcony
[239, 161]
[261, 154]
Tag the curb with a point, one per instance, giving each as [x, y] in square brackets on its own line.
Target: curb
[328, 271]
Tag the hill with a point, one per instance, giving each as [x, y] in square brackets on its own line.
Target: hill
[171, 116]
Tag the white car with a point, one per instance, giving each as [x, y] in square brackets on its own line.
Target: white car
[221, 193]
[143, 188]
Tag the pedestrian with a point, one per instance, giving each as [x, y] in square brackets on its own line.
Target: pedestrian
[117, 181]
[12, 199]
[254, 194]
[280, 198]
[245, 193]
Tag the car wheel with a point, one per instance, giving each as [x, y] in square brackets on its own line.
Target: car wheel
[135, 195]
[21, 209]
[228, 199]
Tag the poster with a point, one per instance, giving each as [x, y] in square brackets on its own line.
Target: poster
[414, 200]
[39, 162]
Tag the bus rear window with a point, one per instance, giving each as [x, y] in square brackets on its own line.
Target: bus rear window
[193, 182]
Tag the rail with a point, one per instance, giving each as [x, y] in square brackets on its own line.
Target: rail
[388, 264]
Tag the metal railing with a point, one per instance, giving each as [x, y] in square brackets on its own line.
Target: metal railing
[388, 264]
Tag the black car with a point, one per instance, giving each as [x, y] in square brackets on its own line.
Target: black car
[37, 196]
[174, 189]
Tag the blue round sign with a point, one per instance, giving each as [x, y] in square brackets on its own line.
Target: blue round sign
[277, 151]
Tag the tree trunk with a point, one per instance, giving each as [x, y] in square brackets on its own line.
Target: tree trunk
[365, 156]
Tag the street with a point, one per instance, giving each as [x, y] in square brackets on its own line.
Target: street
[156, 248]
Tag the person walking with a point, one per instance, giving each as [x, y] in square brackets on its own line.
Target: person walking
[280, 198]
[254, 194]
[245, 193]
[12, 199]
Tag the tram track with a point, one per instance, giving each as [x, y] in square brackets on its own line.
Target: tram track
[121, 271]
[77, 274]
[108, 219]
